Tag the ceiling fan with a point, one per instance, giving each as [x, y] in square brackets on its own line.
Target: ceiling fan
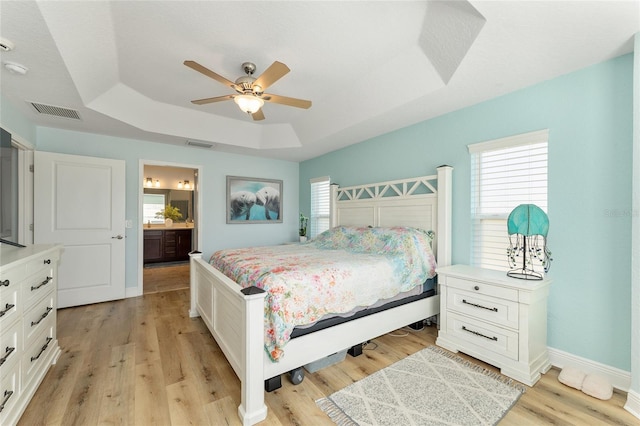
[250, 95]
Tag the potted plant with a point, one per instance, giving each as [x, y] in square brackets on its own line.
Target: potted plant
[303, 227]
[169, 213]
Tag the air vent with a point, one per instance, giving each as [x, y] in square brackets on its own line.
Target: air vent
[200, 144]
[56, 111]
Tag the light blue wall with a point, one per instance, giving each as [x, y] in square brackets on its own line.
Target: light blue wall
[589, 117]
[16, 123]
[215, 167]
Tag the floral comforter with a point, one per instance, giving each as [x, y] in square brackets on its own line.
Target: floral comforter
[339, 270]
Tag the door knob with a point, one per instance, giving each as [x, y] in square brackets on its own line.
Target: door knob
[119, 237]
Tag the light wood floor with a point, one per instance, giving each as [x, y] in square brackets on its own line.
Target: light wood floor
[143, 361]
[159, 278]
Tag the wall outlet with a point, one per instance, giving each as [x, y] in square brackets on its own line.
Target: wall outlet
[128, 223]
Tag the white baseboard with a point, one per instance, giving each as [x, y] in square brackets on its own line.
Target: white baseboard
[620, 379]
[633, 403]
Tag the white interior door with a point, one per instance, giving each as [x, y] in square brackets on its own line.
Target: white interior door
[79, 202]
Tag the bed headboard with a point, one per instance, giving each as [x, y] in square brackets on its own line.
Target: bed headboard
[422, 202]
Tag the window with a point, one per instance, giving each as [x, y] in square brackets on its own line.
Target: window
[320, 206]
[152, 203]
[504, 174]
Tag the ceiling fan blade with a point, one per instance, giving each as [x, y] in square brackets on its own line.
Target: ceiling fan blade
[206, 71]
[284, 100]
[258, 115]
[212, 100]
[272, 74]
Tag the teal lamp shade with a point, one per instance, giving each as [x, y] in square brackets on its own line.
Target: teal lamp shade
[528, 220]
[526, 223]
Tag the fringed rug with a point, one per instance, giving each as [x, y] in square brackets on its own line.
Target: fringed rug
[430, 387]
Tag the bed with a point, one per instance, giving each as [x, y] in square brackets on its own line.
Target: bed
[235, 316]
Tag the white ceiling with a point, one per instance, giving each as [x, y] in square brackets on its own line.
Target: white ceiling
[369, 67]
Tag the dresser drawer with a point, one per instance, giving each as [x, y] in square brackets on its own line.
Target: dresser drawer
[36, 287]
[10, 347]
[9, 392]
[11, 278]
[45, 261]
[41, 316]
[483, 288]
[32, 359]
[478, 305]
[495, 339]
[10, 305]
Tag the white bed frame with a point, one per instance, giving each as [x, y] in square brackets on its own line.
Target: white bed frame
[235, 319]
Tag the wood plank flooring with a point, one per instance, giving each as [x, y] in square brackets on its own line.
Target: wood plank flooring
[158, 278]
[143, 361]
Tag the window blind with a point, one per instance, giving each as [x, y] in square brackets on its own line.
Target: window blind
[504, 174]
[320, 205]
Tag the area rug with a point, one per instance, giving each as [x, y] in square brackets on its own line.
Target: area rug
[430, 387]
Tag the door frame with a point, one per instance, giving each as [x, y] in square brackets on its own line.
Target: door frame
[198, 209]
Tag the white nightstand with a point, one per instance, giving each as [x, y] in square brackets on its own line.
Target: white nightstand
[495, 318]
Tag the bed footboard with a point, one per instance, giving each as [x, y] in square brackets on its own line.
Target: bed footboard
[234, 316]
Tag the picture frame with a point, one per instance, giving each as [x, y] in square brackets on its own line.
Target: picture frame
[253, 200]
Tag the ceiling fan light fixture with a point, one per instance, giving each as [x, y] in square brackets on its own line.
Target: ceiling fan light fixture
[249, 103]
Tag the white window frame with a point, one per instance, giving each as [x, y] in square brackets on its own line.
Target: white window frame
[320, 212]
[490, 240]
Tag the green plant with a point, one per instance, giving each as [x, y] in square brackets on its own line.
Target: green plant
[170, 212]
[303, 225]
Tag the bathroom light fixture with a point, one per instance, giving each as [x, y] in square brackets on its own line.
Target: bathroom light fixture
[249, 103]
[180, 186]
[186, 185]
[148, 182]
[157, 183]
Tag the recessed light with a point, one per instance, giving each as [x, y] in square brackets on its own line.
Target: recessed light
[16, 68]
[6, 45]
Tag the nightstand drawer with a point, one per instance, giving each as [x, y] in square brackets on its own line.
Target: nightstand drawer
[499, 311]
[497, 340]
[483, 288]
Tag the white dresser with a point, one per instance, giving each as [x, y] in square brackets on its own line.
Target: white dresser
[495, 318]
[28, 343]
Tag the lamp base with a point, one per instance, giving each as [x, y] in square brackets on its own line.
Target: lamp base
[525, 274]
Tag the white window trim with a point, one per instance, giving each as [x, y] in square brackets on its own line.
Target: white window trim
[312, 218]
[531, 138]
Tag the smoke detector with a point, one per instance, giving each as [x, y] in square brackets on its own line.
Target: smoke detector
[16, 68]
[6, 45]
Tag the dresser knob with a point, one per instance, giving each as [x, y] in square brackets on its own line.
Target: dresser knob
[476, 288]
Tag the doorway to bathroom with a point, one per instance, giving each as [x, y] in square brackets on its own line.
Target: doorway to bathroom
[169, 226]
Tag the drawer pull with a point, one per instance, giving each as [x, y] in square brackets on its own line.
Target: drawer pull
[476, 288]
[5, 283]
[47, 261]
[7, 395]
[45, 282]
[7, 308]
[42, 349]
[494, 338]
[7, 352]
[43, 316]
[479, 306]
